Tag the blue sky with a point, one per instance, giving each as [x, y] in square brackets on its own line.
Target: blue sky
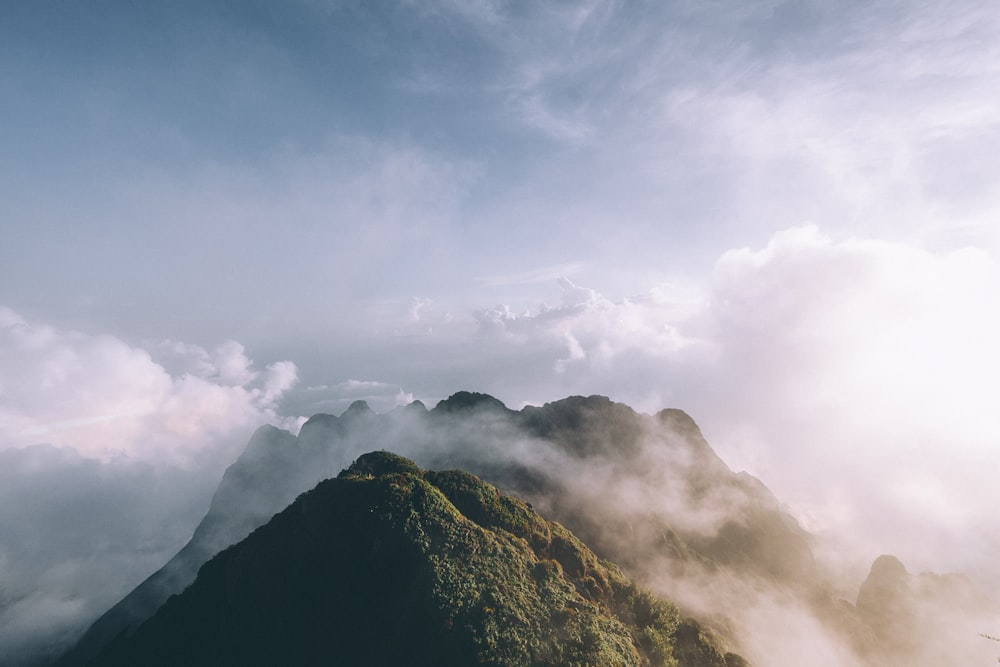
[409, 150]
[779, 216]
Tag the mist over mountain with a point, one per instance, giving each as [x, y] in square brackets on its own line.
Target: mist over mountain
[779, 216]
[644, 491]
[388, 564]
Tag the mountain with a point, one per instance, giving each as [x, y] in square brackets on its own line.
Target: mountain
[898, 608]
[389, 564]
[646, 492]
[258, 484]
[547, 455]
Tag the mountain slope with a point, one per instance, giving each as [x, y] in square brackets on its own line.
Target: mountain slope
[387, 564]
[645, 491]
[250, 484]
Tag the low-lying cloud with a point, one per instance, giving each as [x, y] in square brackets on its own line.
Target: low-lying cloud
[109, 454]
[167, 402]
[858, 378]
[855, 376]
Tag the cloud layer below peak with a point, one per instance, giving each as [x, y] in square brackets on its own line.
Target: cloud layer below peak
[855, 376]
[109, 454]
[167, 402]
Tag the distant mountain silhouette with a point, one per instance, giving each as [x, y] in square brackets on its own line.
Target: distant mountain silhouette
[391, 565]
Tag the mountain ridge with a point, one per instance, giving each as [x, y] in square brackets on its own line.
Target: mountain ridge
[277, 466]
[389, 564]
[646, 492]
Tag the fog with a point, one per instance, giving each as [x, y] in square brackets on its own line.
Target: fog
[778, 217]
[853, 377]
[649, 494]
[622, 483]
[110, 454]
[78, 534]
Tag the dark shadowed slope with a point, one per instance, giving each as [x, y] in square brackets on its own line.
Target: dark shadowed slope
[389, 565]
[255, 484]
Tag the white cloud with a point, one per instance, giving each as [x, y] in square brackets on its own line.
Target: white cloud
[590, 326]
[104, 398]
[234, 367]
[867, 365]
[279, 378]
[857, 377]
[227, 364]
[827, 323]
[133, 448]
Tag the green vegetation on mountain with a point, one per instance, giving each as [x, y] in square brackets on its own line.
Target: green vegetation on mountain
[538, 453]
[390, 565]
[417, 567]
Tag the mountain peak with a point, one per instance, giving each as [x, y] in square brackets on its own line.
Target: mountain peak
[469, 400]
[519, 450]
[357, 409]
[886, 582]
[415, 406]
[389, 564]
[376, 464]
[679, 421]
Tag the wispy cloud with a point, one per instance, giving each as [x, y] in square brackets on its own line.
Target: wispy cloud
[533, 276]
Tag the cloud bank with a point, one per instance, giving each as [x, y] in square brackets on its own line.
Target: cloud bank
[109, 454]
[857, 380]
[855, 376]
[103, 398]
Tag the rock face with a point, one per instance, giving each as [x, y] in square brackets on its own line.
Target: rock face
[388, 564]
